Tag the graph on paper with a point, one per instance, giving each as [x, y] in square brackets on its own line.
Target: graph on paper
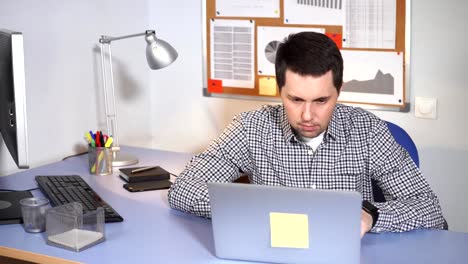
[314, 12]
[333, 4]
[270, 51]
[380, 84]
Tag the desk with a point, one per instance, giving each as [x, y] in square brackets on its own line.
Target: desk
[154, 233]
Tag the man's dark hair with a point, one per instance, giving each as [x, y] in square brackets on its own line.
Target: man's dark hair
[309, 53]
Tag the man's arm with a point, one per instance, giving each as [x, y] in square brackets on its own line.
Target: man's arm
[220, 162]
[410, 202]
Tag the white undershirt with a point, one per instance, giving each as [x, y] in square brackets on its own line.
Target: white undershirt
[312, 142]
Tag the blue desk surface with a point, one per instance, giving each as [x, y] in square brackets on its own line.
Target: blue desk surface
[154, 233]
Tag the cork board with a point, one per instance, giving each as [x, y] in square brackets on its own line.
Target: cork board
[240, 37]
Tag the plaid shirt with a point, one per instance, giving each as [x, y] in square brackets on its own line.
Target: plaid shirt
[356, 148]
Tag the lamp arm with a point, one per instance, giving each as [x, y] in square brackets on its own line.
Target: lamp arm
[118, 158]
[109, 95]
[109, 39]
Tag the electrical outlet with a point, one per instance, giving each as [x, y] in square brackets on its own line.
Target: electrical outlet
[425, 108]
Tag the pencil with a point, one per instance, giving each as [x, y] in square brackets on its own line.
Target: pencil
[143, 169]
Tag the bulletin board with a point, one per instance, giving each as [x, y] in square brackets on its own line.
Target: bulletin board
[240, 38]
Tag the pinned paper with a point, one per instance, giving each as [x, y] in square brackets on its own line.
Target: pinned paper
[247, 8]
[267, 86]
[289, 230]
[337, 38]
[215, 86]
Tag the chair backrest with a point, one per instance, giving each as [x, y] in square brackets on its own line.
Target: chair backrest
[402, 138]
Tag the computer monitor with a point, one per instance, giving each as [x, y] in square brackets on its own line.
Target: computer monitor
[13, 120]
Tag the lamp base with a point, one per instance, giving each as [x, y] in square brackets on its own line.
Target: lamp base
[123, 159]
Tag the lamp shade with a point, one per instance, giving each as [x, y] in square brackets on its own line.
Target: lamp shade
[159, 53]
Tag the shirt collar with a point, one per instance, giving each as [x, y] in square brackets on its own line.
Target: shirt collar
[287, 130]
[336, 127]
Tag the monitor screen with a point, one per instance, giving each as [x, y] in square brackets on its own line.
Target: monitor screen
[13, 121]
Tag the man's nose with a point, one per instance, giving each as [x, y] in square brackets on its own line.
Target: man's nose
[307, 112]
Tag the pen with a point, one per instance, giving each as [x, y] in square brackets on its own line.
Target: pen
[98, 139]
[143, 169]
[90, 139]
[108, 142]
[101, 139]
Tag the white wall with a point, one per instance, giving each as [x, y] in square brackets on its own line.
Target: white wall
[184, 120]
[63, 77]
[165, 109]
[440, 59]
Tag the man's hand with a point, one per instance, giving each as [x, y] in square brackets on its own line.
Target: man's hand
[366, 222]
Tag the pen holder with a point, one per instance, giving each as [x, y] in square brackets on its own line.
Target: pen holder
[100, 160]
[67, 227]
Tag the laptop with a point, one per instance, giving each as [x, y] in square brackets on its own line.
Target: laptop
[284, 224]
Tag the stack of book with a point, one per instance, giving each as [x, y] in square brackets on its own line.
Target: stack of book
[145, 178]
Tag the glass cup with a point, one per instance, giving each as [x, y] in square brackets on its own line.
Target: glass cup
[100, 160]
[33, 211]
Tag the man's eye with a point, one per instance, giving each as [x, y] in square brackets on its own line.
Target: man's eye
[295, 99]
[322, 100]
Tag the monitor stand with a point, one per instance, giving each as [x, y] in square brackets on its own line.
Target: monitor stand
[10, 209]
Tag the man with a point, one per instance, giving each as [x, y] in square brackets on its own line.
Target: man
[310, 141]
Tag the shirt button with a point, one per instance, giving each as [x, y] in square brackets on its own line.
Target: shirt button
[310, 152]
[313, 186]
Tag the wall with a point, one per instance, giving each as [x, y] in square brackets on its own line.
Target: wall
[63, 77]
[165, 109]
[441, 67]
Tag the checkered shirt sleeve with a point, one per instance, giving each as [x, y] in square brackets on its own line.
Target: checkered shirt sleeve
[357, 147]
[222, 161]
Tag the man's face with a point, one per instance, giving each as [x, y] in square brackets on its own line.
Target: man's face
[309, 102]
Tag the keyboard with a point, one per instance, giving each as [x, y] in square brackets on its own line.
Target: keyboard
[72, 188]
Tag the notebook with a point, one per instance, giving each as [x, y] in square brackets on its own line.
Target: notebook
[285, 225]
[155, 173]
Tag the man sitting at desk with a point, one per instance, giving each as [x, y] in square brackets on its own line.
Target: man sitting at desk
[310, 141]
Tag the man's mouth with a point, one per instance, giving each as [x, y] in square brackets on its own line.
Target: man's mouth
[309, 128]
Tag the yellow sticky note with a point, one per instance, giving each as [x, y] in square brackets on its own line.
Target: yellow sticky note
[289, 230]
[267, 86]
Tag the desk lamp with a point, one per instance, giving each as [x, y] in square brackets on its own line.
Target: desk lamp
[159, 54]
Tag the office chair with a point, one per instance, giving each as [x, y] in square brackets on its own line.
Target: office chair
[402, 138]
